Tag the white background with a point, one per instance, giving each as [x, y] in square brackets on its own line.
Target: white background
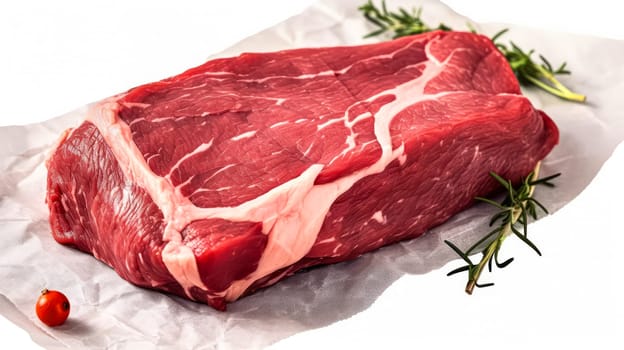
[58, 55]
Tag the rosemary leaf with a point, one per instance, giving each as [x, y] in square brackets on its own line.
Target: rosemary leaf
[459, 252]
[459, 269]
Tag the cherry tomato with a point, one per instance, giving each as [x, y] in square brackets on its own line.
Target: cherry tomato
[52, 307]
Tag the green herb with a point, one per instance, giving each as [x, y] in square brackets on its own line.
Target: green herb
[400, 23]
[527, 71]
[514, 212]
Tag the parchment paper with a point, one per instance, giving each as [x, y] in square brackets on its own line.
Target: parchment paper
[108, 312]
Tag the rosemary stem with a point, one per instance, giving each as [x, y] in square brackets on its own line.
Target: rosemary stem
[558, 89]
[474, 277]
[505, 232]
[535, 176]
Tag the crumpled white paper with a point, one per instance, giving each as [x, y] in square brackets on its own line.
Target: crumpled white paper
[108, 312]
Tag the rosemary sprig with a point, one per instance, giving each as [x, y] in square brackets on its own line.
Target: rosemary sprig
[527, 71]
[400, 23]
[514, 211]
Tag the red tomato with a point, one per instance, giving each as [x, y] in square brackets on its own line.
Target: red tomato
[52, 307]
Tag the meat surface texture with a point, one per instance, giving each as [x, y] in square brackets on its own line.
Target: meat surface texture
[237, 173]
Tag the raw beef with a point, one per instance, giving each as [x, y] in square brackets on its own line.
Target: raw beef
[237, 173]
